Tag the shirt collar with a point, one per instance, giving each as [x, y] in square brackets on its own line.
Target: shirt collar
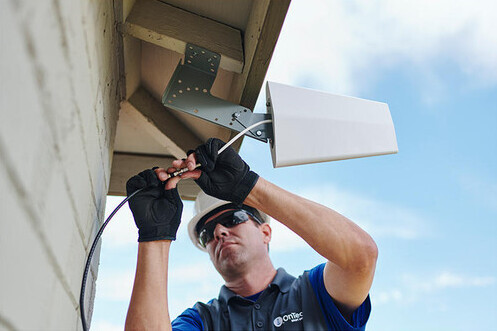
[282, 281]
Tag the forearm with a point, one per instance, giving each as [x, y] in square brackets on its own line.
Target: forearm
[331, 234]
[148, 309]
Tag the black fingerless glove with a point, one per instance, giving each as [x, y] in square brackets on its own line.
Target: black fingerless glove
[225, 176]
[157, 212]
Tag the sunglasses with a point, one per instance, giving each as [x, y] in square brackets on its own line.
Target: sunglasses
[229, 219]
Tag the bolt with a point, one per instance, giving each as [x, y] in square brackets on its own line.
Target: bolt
[236, 115]
[259, 133]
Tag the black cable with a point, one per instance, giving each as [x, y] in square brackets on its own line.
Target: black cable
[90, 255]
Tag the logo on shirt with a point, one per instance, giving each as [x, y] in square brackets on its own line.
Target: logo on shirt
[292, 317]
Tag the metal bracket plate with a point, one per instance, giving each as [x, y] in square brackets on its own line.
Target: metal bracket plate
[189, 91]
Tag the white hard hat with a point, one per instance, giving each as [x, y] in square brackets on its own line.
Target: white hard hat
[204, 204]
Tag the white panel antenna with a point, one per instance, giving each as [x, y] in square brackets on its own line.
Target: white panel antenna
[312, 126]
[307, 126]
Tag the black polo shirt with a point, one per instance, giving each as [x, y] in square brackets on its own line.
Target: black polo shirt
[288, 303]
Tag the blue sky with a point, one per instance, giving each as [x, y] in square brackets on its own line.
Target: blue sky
[431, 208]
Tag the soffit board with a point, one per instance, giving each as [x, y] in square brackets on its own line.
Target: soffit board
[148, 67]
[234, 13]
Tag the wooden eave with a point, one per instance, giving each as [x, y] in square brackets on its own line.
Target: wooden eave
[154, 37]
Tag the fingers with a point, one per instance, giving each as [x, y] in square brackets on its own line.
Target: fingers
[191, 161]
[162, 174]
[179, 164]
[172, 182]
[195, 174]
[171, 170]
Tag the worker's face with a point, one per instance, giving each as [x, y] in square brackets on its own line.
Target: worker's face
[233, 249]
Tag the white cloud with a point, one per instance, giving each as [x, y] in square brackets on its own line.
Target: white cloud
[115, 285]
[190, 283]
[387, 297]
[341, 46]
[121, 230]
[445, 280]
[105, 326]
[187, 284]
[192, 273]
[414, 288]
[284, 240]
[378, 218]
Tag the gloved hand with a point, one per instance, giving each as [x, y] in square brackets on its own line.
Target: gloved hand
[157, 212]
[225, 176]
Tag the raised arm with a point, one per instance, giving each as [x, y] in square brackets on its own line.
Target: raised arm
[157, 213]
[350, 251]
[148, 308]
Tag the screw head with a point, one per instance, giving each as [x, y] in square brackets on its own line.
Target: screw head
[259, 133]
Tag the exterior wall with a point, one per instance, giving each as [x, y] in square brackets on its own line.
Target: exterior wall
[59, 100]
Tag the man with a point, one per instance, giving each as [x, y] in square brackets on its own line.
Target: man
[255, 296]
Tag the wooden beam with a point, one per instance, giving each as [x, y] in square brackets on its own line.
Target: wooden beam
[261, 35]
[163, 120]
[170, 27]
[132, 64]
[126, 165]
[263, 28]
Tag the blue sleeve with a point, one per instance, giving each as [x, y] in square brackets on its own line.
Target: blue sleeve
[188, 320]
[332, 315]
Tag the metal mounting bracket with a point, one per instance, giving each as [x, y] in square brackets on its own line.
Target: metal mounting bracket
[189, 91]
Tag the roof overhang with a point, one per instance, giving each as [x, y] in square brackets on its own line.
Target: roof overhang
[154, 38]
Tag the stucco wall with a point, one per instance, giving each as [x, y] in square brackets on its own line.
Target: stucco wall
[59, 101]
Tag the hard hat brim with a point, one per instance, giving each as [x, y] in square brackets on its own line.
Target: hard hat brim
[193, 222]
[192, 225]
